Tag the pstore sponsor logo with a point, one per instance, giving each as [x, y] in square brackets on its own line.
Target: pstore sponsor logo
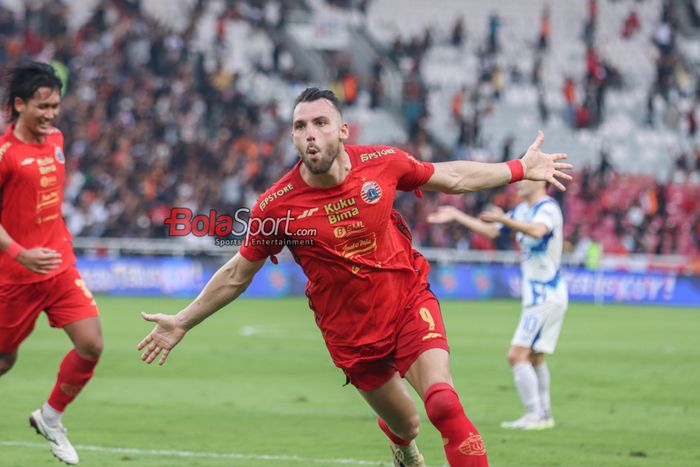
[368, 156]
[275, 194]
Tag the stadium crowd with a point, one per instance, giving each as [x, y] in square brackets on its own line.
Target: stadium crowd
[150, 124]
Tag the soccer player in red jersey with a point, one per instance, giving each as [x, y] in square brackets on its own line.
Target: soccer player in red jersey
[37, 264]
[368, 288]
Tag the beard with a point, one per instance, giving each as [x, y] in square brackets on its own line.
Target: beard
[325, 162]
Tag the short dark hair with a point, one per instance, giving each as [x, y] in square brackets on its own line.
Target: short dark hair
[314, 94]
[24, 80]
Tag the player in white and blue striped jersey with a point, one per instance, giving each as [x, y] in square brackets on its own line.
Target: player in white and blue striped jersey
[538, 226]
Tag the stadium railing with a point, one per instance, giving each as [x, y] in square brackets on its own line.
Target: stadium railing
[118, 247]
[175, 267]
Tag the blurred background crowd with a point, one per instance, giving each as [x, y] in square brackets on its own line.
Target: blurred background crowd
[187, 103]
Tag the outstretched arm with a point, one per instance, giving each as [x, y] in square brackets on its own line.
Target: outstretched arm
[226, 285]
[446, 214]
[465, 176]
[533, 229]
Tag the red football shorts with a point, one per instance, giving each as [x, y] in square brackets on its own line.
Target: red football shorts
[65, 298]
[419, 328]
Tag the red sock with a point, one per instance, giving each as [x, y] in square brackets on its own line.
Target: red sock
[74, 373]
[394, 439]
[462, 442]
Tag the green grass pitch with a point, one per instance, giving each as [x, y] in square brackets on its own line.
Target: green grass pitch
[254, 386]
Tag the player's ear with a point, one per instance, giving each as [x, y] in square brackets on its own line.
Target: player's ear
[344, 131]
[19, 104]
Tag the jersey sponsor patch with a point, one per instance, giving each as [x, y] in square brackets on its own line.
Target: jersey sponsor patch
[47, 199]
[368, 156]
[343, 230]
[371, 192]
[358, 246]
[48, 180]
[274, 195]
[341, 210]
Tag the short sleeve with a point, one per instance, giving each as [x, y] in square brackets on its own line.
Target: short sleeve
[264, 234]
[548, 215]
[4, 166]
[410, 173]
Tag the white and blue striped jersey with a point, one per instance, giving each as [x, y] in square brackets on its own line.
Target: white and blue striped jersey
[540, 259]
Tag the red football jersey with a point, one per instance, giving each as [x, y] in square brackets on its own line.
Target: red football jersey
[31, 188]
[360, 265]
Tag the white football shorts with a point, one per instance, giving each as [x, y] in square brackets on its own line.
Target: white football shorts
[539, 326]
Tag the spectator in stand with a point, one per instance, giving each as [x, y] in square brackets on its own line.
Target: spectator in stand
[201, 124]
[542, 108]
[605, 167]
[376, 86]
[590, 25]
[545, 30]
[457, 36]
[569, 91]
[457, 103]
[631, 25]
[493, 34]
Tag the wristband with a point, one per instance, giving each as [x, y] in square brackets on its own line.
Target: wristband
[516, 170]
[13, 250]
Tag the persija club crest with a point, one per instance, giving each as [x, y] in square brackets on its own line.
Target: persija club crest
[371, 192]
[473, 446]
[59, 155]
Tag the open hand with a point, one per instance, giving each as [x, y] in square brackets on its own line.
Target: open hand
[167, 333]
[542, 166]
[494, 214]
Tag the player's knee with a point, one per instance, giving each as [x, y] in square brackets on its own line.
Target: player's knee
[410, 429]
[90, 348]
[516, 356]
[512, 358]
[7, 361]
